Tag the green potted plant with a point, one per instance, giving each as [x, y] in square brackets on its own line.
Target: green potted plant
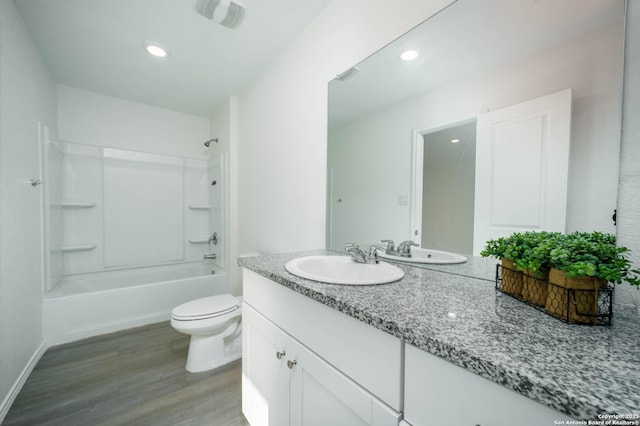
[509, 250]
[535, 265]
[581, 264]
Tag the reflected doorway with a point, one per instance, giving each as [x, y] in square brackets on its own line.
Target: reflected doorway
[448, 187]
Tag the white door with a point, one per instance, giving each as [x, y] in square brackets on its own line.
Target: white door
[265, 377]
[320, 395]
[522, 164]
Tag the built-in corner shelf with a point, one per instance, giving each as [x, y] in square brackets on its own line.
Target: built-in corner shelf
[198, 240]
[78, 204]
[78, 247]
[199, 206]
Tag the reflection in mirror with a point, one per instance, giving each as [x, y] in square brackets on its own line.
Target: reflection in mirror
[448, 187]
[475, 58]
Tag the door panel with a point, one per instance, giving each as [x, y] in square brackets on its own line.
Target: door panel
[522, 164]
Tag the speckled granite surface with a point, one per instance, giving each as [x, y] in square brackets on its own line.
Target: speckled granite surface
[580, 370]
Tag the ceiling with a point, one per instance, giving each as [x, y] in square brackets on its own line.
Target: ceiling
[468, 38]
[98, 45]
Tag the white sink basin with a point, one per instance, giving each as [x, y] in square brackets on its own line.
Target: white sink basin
[420, 255]
[343, 270]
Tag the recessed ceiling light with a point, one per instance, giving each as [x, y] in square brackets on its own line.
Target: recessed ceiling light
[409, 55]
[156, 50]
[455, 140]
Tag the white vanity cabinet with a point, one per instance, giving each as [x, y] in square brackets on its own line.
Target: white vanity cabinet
[304, 363]
[285, 383]
[265, 378]
[438, 392]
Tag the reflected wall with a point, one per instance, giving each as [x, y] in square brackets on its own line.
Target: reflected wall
[373, 154]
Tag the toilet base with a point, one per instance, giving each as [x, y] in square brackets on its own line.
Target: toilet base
[208, 352]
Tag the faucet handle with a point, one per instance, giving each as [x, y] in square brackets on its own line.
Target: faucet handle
[351, 247]
[372, 256]
[390, 245]
[405, 247]
[357, 255]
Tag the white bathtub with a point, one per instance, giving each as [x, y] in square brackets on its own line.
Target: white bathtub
[86, 305]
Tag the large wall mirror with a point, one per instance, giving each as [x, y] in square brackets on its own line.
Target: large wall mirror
[419, 149]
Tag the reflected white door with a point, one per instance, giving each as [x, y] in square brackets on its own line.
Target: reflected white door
[522, 164]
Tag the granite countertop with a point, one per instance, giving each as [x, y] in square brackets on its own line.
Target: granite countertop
[454, 312]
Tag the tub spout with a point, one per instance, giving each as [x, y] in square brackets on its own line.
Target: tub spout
[209, 256]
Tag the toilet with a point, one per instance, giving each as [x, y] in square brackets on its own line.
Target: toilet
[214, 326]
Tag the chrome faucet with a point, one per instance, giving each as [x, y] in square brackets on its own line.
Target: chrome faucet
[404, 248]
[390, 248]
[359, 256]
[212, 239]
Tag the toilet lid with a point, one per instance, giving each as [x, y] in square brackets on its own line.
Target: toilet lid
[206, 307]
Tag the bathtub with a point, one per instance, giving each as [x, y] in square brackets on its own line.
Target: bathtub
[86, 305]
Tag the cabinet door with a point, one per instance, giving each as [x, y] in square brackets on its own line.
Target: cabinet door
[265, 377]
[368, 356]
[320, 395]
[440, 393]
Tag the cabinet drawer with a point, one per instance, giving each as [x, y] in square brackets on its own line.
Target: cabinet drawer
[438, 392]
[370, 357]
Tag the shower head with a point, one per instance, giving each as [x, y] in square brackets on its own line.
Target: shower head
[207, 143]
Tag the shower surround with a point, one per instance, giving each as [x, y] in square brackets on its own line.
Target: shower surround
[111, 210]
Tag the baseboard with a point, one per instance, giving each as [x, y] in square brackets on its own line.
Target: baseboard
[19, 383]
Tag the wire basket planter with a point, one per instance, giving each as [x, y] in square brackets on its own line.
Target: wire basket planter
[590, 304]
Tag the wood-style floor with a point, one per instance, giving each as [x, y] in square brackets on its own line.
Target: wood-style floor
[133, 377]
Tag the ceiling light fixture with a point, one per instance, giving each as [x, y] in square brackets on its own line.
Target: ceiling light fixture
[225, 12]
[156, 50]
[409, 55]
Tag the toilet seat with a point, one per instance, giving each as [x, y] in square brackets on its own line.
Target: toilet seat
[205, 308]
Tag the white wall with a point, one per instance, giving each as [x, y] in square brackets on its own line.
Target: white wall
[219, 170]
[588, 65]
[224, 126]
[369, 174]
[629, 190]
[96, 119]
[27, 96]
[283, 121]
